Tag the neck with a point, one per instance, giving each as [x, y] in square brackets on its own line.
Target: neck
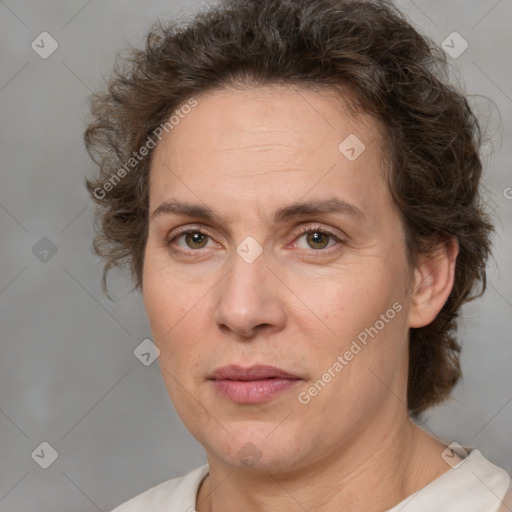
[377, 469]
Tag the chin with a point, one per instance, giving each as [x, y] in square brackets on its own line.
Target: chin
[252, 447]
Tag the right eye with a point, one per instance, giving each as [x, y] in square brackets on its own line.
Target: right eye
[194, 239]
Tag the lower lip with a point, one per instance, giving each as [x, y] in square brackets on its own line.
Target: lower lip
[253, 391]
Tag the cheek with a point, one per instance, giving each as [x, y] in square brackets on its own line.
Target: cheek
[163, 293]
[158, 303]
[351, 302]
[164, 303]
[368, 308]
[174, 314]
[171, 324]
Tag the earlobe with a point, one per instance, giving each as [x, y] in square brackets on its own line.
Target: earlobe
[434, 276]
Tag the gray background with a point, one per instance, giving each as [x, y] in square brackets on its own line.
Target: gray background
[68, 373]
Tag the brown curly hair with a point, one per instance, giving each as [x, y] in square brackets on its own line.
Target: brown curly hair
[392, 73]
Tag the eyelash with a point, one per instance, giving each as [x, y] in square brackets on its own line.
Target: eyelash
[309, 229]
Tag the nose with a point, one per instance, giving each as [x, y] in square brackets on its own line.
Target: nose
[250, 300]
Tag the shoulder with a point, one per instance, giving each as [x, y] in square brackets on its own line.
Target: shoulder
[506, 504]
[176, 494]
[473, 485]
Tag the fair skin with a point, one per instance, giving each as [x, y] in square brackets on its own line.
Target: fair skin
[299, 305]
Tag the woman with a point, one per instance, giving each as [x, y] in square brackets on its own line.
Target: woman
[295, 189]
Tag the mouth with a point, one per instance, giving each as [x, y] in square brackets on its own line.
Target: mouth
[252, 385]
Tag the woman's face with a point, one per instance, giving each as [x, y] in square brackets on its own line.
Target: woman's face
[247, 288]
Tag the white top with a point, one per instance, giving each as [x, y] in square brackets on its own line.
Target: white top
[473, 485]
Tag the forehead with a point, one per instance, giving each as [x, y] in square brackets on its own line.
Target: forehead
[267, 142]
[253, 113]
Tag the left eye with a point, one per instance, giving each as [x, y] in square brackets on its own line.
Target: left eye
[318, 239]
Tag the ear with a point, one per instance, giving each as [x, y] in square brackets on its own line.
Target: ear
[433, 276]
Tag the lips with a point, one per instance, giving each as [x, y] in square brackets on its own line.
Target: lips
[258, 372]
[255, 384]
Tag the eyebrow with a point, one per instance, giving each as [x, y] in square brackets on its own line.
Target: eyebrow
[297, 209]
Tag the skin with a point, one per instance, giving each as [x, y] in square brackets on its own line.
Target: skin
[246, 153]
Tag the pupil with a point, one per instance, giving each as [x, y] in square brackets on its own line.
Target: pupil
[197, 238]
[317, 238]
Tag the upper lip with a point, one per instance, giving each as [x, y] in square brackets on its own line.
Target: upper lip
[256, 372]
